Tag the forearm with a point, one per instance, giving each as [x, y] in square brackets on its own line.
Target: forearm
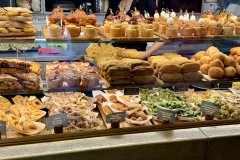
[153, 49]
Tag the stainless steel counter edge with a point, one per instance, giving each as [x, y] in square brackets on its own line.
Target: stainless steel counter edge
[82, 145]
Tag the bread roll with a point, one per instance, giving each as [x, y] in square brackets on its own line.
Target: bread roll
[230, 62]
[180, 60]
[199, 55]
[205, 60]
[230, 72]
[172, 78]
[238, 70]
[89, 31]
[161, 63]
[228, 31]
[116, 30]
[171, 55]
[142, 71]
[192, 76]
[144, 79]
[150, 59]
[170, 68]
[235, 50]
[129, 53]
[218, 55]
[216, 72]
[238, 59]
[190, 67]
[216, 63]
[211, 50]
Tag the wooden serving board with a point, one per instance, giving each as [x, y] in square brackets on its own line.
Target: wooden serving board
[67, 38]
[18, 39]
[138, 39]
[105, 84]
[208, 78]
[189, 37]
[122, 124]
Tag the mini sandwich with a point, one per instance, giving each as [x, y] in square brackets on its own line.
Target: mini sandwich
[15, 65]
[8, 82]
[28, 80]
[17, 14]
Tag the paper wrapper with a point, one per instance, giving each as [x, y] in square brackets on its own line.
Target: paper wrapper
[139, 122]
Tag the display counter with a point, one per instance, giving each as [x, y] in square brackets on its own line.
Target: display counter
[208, 143]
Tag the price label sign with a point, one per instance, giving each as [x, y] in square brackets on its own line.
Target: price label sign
[119, 116]
[3, 128]
[166, 115]
[131, 91]
[208, 108]
[57, 120]
[225, 85]
[180, 87]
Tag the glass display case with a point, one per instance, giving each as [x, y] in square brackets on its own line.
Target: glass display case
[61, 87]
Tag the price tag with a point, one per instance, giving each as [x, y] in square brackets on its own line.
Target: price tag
[166, 115]
[208, 108]
[131, 91]
[57, 120]
[180, 87]
[3, 128]
[224, 85]
[119, 116]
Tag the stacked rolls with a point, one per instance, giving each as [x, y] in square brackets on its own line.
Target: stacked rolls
[18, 75]
[216, 64]
[172, 68]
[16, 22]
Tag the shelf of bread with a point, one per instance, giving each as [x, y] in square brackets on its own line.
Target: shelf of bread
[173, 68]
[20, 76]
[185, 26]
[16, 24]
[215, 65]
[120, 67]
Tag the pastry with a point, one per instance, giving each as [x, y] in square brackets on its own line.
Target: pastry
[230, 62]
[107, 26]
[205, 68]
[142, 71]
[144, 79]
[205, 60]
[171, 78]
[147, 30]
[132, 31]
[171, 32]
[170, 68]
[192, 76]
[55, 30]
[228, 31]
[237, 30]
[89, 31]
[129, 53]
[229, 72]
[5, 104]
[132, 63]
[200, 31]
[216, 63]
[54, 81]
[199, 55]
[163, 29]
[116, 30]
[190, 67]
[73, 30]
[216, 72]
[118, 71]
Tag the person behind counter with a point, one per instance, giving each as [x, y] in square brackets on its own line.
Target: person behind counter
[127, 6]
